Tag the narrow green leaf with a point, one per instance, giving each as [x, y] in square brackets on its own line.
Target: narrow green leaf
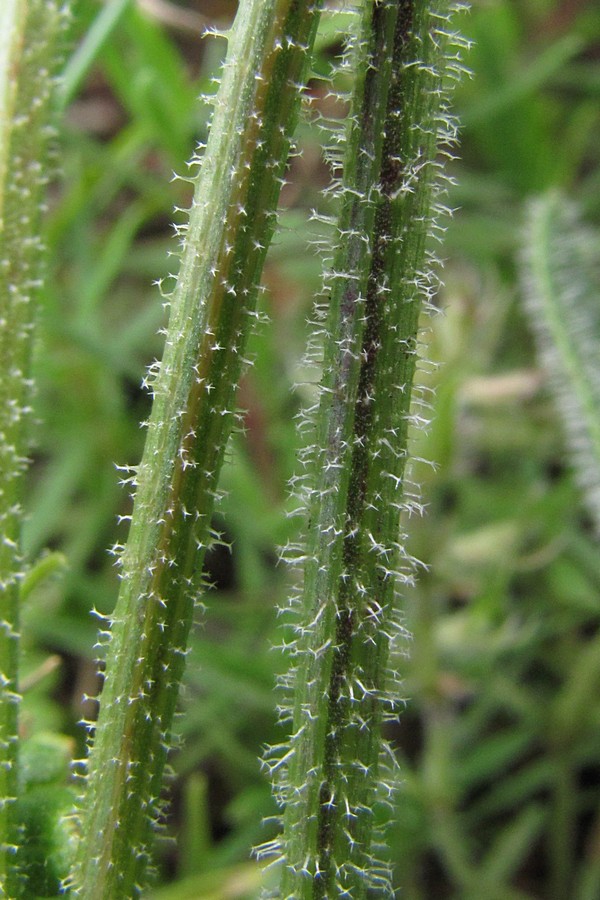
[512, 845]
[529, 80]
[82, 60]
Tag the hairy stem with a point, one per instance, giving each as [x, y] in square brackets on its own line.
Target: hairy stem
[561, 277]
[28, 40]
[212, 307]
[382, 275]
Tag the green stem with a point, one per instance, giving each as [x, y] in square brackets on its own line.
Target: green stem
[560, 286]
[381, 277]
[28, 38]
[212, 307]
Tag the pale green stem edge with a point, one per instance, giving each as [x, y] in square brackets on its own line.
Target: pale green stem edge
[561, 283]
[29, 33]
[561, 280]
[211, 310]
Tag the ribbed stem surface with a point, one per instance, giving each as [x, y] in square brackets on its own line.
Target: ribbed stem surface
[212, 308]
[382, 275]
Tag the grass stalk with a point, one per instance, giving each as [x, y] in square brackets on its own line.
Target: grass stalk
[211, 310]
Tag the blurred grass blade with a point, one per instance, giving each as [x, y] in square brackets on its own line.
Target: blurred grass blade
[233, 883]
[513, 845]
[561, 284]
[84, 57]
[529, 81]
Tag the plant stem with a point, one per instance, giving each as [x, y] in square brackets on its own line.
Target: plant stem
[28, 40]
[560, 275]
[382, 275]
[212, 307]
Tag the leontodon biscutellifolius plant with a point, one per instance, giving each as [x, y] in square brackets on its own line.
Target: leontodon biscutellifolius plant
[387, 155]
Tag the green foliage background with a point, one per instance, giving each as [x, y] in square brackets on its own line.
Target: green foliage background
[499, 744]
